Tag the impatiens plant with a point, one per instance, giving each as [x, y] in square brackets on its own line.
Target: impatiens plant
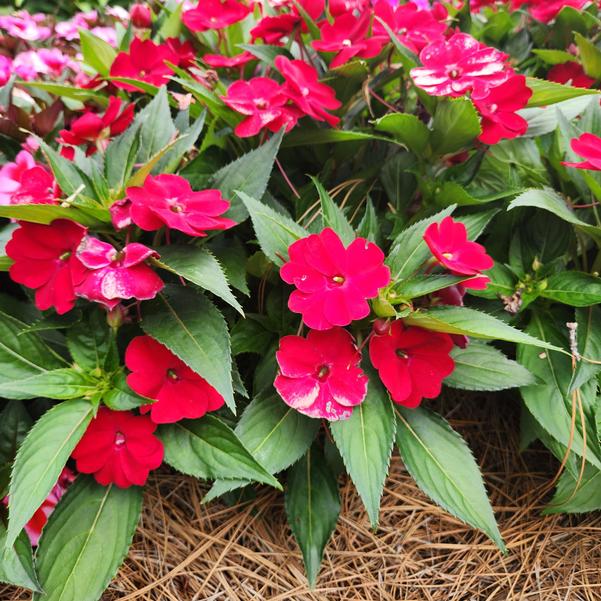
[253, 242]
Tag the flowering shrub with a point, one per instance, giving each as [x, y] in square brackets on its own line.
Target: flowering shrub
[253, 240]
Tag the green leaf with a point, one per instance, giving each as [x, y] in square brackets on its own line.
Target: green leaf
[189, 325]
[475, 223]
[86, 540]
[588, 336]
[420, 285]
[16, 565]
[91, 341]
[45, 214]
[65, 91]
[365, 441]
[231, 255]
[406, 129]
[207, 448]
[64, 383]
[139, 177]
[266, 52]
[172, 25]
[409, 251]
[312, 507]
[574, 497]
[573, 288]
[483, 367]
[67, 175]
[554, 57]
[470, 322]
[333, 215]
[96, 52]
[548, 92]
[275, 231]
[120, 157]
[590, 56]
[157, 129]
[549, 200]
[200, 267]
[313, 137]
[248, 174]
[455, 124]
[444, 468]
[276, 435]
[41, 458]
[15, 422]
[120, 396]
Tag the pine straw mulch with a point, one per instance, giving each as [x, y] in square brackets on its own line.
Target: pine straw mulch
[186, 551]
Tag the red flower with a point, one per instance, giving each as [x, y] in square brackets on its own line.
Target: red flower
[412, 362]
[449, 244]
[303, 88]
[272, 29]
[145, 61]
[460, 64]
[453, 295]
[117, 275]
[45, 260]
[415, 28]
[348, 36]
[547, 10]
[214, 14]
[90, 128]
[239, 60]
[157, 373]
[184, 52]
[11, 175]
[342, 7]
[570, 73]
[140, 16]
[497, 107]
[119, 448]
[333, 282]
[588, 146]
[169, 200]
[264, 103]
[320, 375]
[37, 186]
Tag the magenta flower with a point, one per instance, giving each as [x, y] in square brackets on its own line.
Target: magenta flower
[140, 15]
[458, 65]
[37, 186]
[217, 60]
[263, 102]
[215, 14]
[6, 69]
[348, 36]
[272, 29]
[498, 108]
[302, 86]
[343, 7]
[320, 374]
[412, 362]
[113, 275]
[145, 61]
[45, 260]
[11, 175]
[588, 146]
[332, 282]
[169, 200]
[547, 10]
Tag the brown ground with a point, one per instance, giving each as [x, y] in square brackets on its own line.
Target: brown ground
[185, 551]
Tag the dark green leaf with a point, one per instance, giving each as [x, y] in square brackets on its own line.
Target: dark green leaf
[15, 422]
[333, 215]
[573, 496]
[455, 124]
[406, 129]
[16, 565]
[573, 288]
[588, 336]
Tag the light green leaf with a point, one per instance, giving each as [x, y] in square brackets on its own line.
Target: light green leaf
[554, 57]
[365, 441]
[96, 52]
[548, 92]
[45, 214]
[207, 448]
[406, 129]
[588, 336]
[333, 215]
[420, 285]
[455, 124]
[574, 497]
[121, 397]
[315, 137]
[41, 458]
[483, 367]
[444, 468]
[573, 288]
[590, 56]
[64, 383]
[65, 91]
[16, 564]
[189, 325]
[86, 540]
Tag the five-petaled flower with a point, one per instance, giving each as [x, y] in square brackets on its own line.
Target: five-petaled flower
[449, 244]
[169, 200]
[588, 146]
[411, 362]
[113, 276]
[158, 374]
[332, 282]
[45, 260]
[119, 448]
[215, 14]
[320, 374]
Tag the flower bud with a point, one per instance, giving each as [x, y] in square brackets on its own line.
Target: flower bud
[140, 16]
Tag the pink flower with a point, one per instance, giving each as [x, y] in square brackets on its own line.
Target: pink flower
[26, 27]
[157, 373]
[588, 146]
[45, 260]
[348, 37]
[302, 86]
[458, 65]
[119, 448]
[107, 34]
[498, 107]
[54, 60]
[145, 61]
[91, 129]
[113, 275]
[11, 174]
[333, 282]
[6, 68]
[37, 186]
[217, 60]
[449, 244]
[412, 362]
[69, 30]
[264, 104]
[570, 73]
[140, 15]
[415, 28]
[215, 14]
[169, 200]
[320, 374]
[36, 524]
[28, 65]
